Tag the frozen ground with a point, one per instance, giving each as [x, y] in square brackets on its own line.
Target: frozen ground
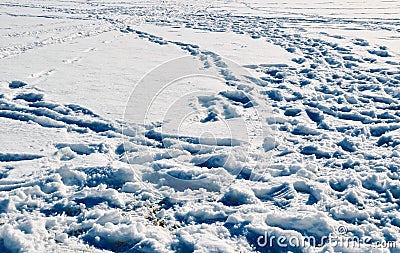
[199, 126]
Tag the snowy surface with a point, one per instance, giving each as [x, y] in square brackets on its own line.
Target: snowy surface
[199, 126]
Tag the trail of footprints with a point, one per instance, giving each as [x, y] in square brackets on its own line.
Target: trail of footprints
[333, 107]
[336, 104]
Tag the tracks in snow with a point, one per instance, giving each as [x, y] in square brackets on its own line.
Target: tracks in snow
[337, 126]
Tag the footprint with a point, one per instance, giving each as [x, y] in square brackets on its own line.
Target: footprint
[16, 84]
[87, 50]
[43, 73]
[73, 60]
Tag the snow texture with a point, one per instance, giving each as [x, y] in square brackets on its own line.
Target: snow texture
[199, 126]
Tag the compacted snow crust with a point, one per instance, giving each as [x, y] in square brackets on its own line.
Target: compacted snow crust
[199, 126]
